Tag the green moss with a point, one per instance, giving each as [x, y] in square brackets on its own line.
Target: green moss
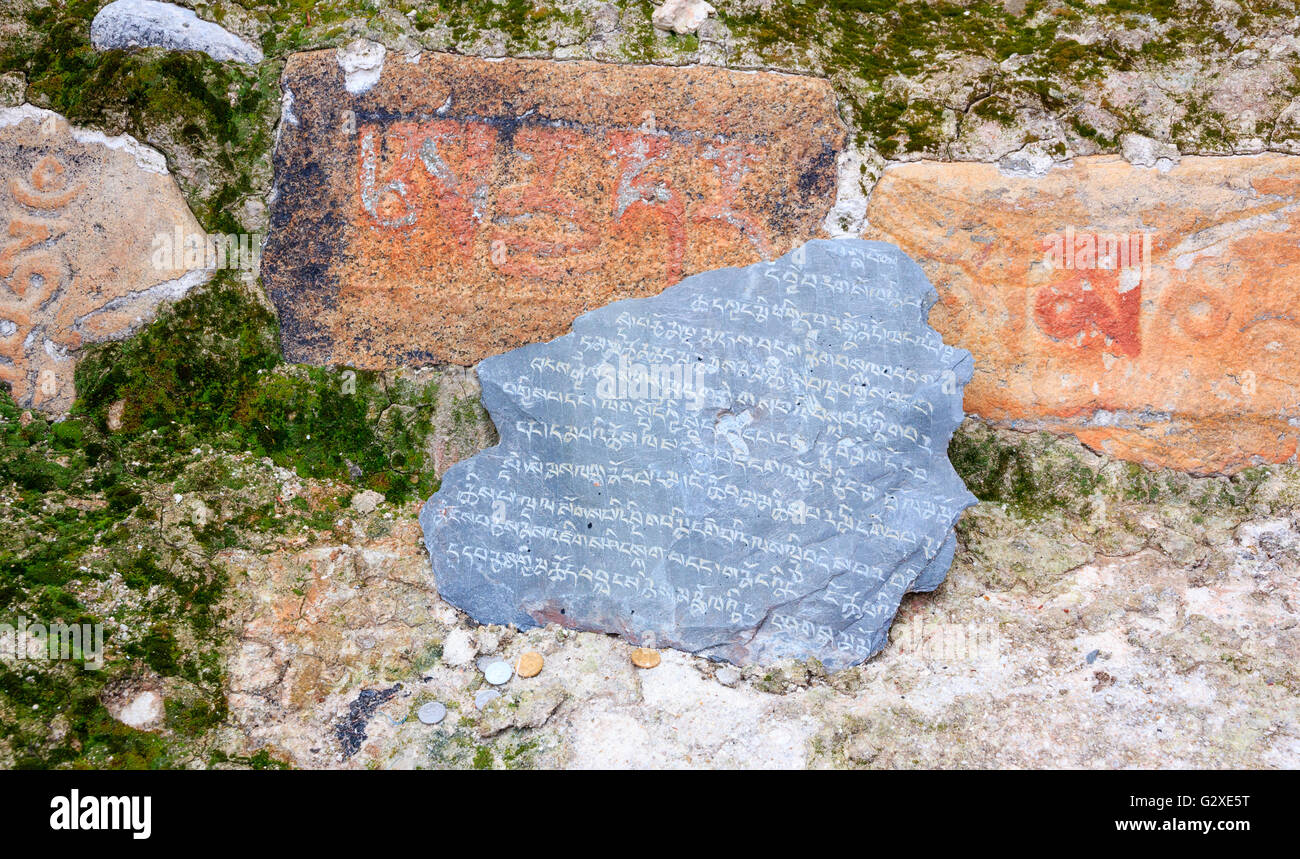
[1018, 474]
[639, 42]
[192, 719]
[865, 46]
[483, 758]
[64, 542]
[194, 108]
[195, 389]
[1039, 475]
[91, 737]
[261, 760]
[519, 755]
[525, 25]
[868, 47]
[208, 372]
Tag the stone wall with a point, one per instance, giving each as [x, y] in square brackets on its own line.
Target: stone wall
[245, 527]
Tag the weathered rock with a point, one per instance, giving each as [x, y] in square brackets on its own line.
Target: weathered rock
[144, 712]
[728, 675]
[751, 465]
[367, 500]
[681, 16]
[1145, 152]
[80, 214]
[13, 86]
[527, 709]
[320, 624]
[137, 702]
[438, 208]
[1203, 649]
[459, 648]
[1175, 359]
[150, 24]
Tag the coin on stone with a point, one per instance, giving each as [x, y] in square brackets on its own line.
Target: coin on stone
[498, 672]
[644, 657]
[529, 664]
[432, 713]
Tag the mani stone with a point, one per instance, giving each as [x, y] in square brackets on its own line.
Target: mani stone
[82, 216]
[751, 466]
[150, 24]
[432, 208]
[1152, 312]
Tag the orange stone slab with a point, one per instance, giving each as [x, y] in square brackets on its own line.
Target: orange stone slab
[459, 207]
[81, 217]
[1181, 355]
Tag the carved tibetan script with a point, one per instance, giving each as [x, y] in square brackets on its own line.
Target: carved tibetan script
[79, 213]
[459, 207]
[751, 465]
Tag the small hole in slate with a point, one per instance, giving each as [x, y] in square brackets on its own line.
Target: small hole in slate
[562, 611]
[588, 524]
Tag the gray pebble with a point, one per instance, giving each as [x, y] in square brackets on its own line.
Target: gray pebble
[1092, 657]
[728, 675]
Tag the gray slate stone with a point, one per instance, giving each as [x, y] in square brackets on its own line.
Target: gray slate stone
[778, 504]
[150, 24]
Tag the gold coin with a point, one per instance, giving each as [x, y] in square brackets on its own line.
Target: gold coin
[644, 657]
[530, 664]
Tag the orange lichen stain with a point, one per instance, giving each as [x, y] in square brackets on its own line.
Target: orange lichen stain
[1176, 359]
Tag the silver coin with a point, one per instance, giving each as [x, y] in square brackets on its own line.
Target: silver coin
[498, 672]
[432, 713]
[483, 697]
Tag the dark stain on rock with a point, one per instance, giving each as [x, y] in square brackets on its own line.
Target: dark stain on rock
[351, 731]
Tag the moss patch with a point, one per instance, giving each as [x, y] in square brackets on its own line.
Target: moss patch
[208, 372]
[196, 110]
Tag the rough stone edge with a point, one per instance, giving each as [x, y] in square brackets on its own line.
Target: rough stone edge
[146, 157]
[119, 12]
